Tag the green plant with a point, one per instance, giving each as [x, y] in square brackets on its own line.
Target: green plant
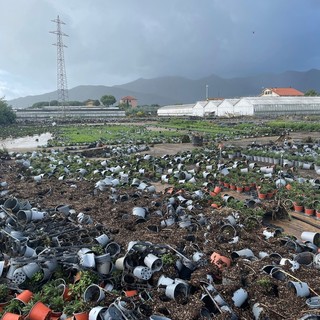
[15, 306]
[168, 259]
[98, 250]
[264, 282]
[75, 306]
[85, 279]
[4, 292]
[56, 303]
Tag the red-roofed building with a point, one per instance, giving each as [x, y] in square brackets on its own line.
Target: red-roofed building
[129, 101]
[281, 92]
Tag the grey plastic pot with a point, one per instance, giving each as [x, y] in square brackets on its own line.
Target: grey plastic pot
[158, 317]
[30, 269]
[86, 258]
[164, 281]
[113, 249]
[139, 211]
[153, 262]
[142, 272]
[176, 289]
[19, 276]
[239, 297]
[93, 293]
[313, 237]
[313, 302]
[103, 240]
[103, 263]
[316, 261]
[98, 313]
[301, 288]
[257, 310]
[13, 204]
[278, 274]
[244, 253]
[306, 258]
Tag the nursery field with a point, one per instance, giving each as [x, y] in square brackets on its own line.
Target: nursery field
[189, 232]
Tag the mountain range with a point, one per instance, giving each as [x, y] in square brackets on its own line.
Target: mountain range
[175, 90]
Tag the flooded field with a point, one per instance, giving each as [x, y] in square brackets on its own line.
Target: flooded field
[25, 143]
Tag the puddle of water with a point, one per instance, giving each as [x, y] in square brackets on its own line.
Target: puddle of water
[25, 143]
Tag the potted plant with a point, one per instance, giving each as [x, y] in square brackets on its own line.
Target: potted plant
[77, 308]
[309, 206]
[53, 297]
[317, 208]
[298, 203]
[5, 295]
[14, 306]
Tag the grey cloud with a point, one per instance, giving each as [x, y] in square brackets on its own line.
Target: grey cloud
[112, 42]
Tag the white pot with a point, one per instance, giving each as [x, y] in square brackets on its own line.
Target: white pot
[142, 272]
[153, 262]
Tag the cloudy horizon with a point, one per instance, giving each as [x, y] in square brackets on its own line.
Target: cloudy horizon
[115, 42]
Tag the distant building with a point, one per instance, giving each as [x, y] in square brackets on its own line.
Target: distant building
[129, 101]
[281, 92]
[270, 106]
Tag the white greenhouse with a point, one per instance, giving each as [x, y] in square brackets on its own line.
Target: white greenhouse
[226, 108]
[198, 108]
[211, 108]
[178, 110]
[275, 106]
[246, 106]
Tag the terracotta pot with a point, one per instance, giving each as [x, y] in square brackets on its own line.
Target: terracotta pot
[39, 311]
[215, 206]
[262, 196]
[226, 185]
[318, 214]
[11, 316]
[212, 194]
[55, 315]
[81, 315]
[220, 261]
[247, 188]
[240, 189]
[217, 190]
[233, 187]
[309, 212]
[269, 195]
[297, 208]
[25, 296]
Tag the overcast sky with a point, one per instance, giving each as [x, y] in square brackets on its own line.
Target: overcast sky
[117, 41]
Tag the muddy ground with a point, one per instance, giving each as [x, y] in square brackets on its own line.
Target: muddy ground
[276, 298]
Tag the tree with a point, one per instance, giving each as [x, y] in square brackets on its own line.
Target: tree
[108, 100]
[7, 115]
[311, 93]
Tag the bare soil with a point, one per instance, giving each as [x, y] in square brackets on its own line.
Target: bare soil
[275, 297]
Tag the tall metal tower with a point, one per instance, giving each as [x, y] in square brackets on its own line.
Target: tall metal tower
[62, 86]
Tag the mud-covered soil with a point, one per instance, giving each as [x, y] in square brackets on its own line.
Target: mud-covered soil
[113, 209]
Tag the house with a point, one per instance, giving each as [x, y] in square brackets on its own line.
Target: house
[129, 101]
[281, 92]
